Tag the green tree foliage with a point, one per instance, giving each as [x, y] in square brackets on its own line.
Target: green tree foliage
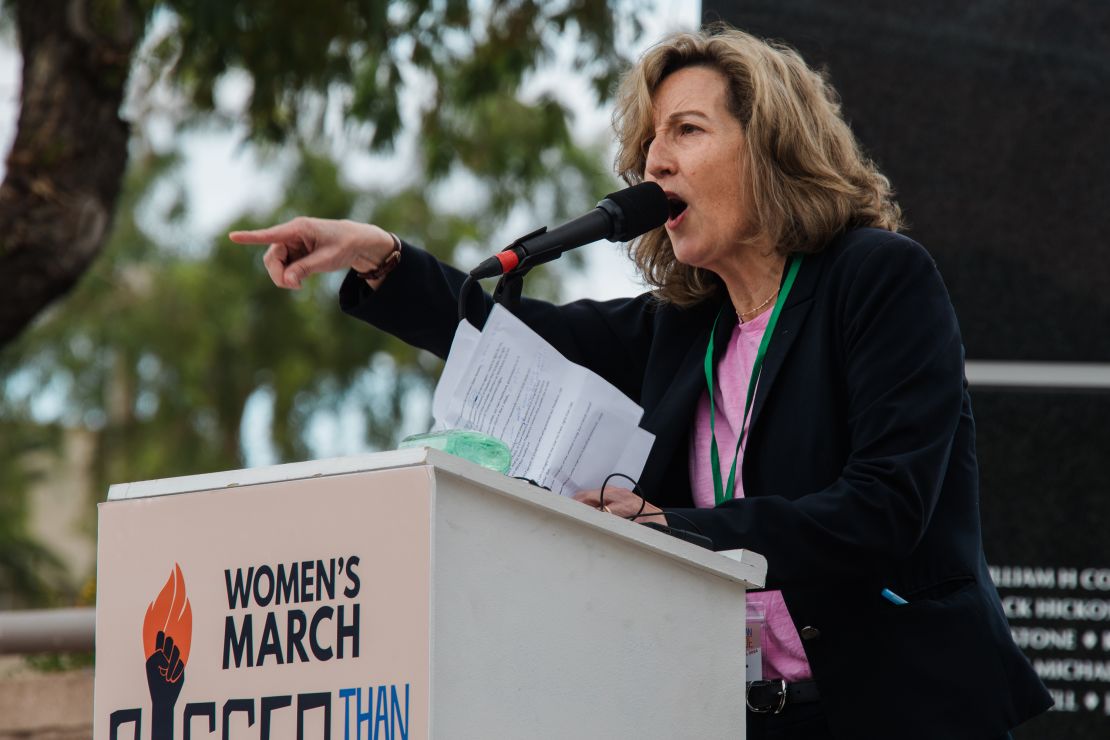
[466, 62]
[162, 345]
[29, 572]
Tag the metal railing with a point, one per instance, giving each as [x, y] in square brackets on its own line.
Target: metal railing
[31, 631]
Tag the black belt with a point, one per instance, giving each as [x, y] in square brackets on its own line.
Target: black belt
[766, 697]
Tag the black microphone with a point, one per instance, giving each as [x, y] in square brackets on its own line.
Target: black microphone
[620, 216]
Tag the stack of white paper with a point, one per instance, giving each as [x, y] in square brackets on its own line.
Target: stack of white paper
[566, 426]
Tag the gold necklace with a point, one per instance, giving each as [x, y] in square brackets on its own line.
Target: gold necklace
[760, 307]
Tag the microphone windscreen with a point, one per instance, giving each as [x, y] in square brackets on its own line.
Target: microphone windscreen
[643, 207]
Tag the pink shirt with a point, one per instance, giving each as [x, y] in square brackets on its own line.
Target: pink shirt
[783, 656]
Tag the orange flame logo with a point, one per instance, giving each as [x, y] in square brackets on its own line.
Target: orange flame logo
[170, 613]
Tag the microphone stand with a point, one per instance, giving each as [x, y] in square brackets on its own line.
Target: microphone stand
[509, 287]
[511, 284]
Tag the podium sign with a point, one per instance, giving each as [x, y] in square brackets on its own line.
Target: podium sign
[297, 608]
[406, 595]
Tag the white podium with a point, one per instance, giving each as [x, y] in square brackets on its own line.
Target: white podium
[406, 594]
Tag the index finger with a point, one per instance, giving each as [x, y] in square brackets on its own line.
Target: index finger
[280, 233]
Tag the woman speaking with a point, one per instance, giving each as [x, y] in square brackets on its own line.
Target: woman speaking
[801, 367]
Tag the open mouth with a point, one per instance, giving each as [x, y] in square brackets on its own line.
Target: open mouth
[676, 206]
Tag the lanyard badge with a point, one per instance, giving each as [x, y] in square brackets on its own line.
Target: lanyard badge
[722, 493]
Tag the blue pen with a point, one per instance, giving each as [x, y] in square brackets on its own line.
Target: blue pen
[894, 598]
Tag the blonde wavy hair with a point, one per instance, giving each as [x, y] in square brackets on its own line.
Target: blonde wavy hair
[807, 176]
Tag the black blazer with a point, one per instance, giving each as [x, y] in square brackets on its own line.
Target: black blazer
[859, 471]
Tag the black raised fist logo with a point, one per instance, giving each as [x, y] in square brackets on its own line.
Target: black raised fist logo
[165, 676]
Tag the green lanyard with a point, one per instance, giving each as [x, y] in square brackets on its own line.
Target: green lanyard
[720, 492]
